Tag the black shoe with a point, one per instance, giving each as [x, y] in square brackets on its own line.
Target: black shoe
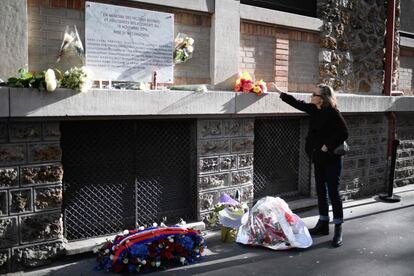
[321, 228]
[337, 239]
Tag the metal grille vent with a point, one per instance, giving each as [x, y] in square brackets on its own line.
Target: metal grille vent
[118, 174]
[277, 157]
[165, 169]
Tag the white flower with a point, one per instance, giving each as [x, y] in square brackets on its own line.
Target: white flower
[190, 41]
[154, 224]
[157, 264]
[126, 232]
[141, 228]
[179, 40]
[106, 251]
[190, 49]
[111, 257]
[50, 79]
[182, 260]
[85, 79]
[144, 262]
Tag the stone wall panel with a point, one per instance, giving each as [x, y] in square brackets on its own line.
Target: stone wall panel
[232, 128]
[242, 145]
[20, 201]
[51, 131]
[43, 174]
[8, 232]
[40, 227]
[36, 255]
[213, 181]
[214, 147]
[9, 177]
[209, 129]
[228, 162]
[5, 258]
[25, 132]
[3, 132]
[48, 198]
[242, 177]
[45, 152]
[208, 165]
[4, 203]
[11, 154]
[245, 161]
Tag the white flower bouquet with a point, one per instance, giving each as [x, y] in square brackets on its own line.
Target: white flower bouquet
[78, 79]
[71, 42]
[184, 48]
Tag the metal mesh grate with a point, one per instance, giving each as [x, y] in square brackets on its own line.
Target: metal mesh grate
[165, 156]
[278, 157]
[98, 178]
[119, 173]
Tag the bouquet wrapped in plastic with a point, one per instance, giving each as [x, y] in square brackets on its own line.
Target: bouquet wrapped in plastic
[271, 224]
[184, 48]
[71, 42]
[228, 213]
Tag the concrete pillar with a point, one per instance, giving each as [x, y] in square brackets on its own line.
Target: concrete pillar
[13, 42]
[225, 44]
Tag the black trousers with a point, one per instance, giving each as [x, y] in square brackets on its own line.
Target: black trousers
[327, 178]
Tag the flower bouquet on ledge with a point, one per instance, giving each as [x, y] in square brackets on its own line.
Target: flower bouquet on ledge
[76, 78]
[184, 48]
[245, 83]
[151, 249]
[228, 212]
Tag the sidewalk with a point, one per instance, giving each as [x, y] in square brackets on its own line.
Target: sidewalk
[378, 240]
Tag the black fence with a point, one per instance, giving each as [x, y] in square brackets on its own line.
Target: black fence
[281, 167]
[120, 174]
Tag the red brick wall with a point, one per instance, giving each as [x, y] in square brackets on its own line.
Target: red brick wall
[274, 42]
[48, 19]
[406, 71]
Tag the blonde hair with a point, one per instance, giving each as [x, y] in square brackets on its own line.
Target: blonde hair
[327, 96]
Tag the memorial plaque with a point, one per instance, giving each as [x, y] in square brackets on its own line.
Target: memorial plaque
[127, 44]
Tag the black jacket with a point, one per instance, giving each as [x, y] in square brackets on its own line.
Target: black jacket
[326, 127]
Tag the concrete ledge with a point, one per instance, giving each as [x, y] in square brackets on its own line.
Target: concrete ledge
[64, 102]
[4, 102]
[29, 103]
[195, 5]
[285, 19]
[406, 42]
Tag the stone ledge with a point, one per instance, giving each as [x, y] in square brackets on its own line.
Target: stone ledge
[27, 103]
[407, 42]
[285, 19]
[195, 5]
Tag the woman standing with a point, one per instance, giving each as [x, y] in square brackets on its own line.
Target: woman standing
[327, 131]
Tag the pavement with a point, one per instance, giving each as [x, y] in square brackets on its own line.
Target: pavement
[378, 240]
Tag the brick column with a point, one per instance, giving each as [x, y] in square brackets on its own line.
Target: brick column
[281, 60]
